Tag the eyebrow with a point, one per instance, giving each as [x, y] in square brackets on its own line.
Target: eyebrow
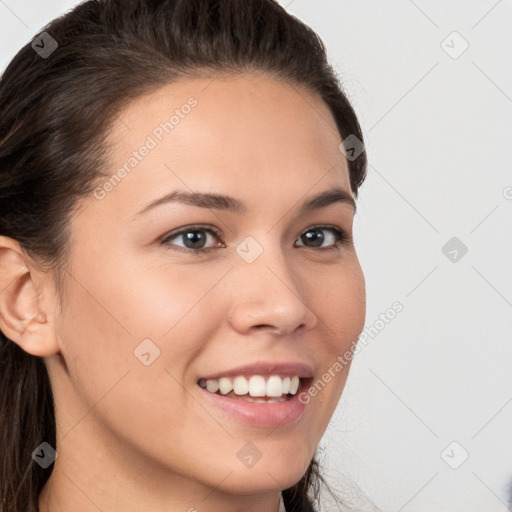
[231, 204]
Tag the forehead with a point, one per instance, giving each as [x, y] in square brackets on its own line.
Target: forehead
[233, 134]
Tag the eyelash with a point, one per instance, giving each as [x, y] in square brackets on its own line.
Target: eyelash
[341, 234]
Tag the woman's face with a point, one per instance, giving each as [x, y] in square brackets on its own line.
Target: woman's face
[272, 294]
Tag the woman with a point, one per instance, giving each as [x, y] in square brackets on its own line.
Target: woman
[178, 274]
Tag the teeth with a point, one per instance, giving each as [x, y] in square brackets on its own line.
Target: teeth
[294, 385]
[241, 386]
[255, 386]
[274, 386]
[212, 385]
[286, 385]
[225, 385]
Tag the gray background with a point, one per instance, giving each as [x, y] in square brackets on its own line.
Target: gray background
[435, 384]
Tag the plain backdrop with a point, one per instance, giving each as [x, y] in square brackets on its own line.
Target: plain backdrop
[425, 420]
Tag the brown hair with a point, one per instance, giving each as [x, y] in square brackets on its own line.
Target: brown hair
[55, 112]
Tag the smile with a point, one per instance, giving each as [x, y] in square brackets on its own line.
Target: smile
[257, 388]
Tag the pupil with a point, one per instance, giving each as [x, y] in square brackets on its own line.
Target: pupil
[196, 237]
[314, 236]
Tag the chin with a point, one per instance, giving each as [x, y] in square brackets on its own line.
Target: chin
[266, 478]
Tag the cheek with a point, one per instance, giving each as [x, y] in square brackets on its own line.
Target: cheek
[101, 328]
[342, 308]
[341, 311]
[109, 320]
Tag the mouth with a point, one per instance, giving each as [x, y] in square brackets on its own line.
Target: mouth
[255, 388]
[261, 393]
[258, 400]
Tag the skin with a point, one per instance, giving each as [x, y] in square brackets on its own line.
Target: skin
[130, 435]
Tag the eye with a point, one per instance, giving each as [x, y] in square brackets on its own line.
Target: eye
[314, 236]
[194, 238]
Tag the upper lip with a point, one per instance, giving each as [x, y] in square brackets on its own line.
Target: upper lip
[266, 368]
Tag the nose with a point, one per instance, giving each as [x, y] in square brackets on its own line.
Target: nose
[267, 295]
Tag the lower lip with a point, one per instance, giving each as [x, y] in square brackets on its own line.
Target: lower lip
[259, 414]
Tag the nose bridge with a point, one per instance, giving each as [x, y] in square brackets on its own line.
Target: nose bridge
[266, 290]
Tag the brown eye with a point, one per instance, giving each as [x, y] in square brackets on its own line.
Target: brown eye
[314, 237]
[193, 237]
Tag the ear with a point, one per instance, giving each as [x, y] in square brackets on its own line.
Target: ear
[25, 317]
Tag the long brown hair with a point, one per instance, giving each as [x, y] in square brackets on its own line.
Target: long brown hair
[55, 111]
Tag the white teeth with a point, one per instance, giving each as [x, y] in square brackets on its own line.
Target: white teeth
[286, 385]
[294, 385]
[274, 386]
[241, 386]
[225, 385]
[255, 386]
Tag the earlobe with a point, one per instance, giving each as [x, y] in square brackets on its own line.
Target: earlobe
[22, 313]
